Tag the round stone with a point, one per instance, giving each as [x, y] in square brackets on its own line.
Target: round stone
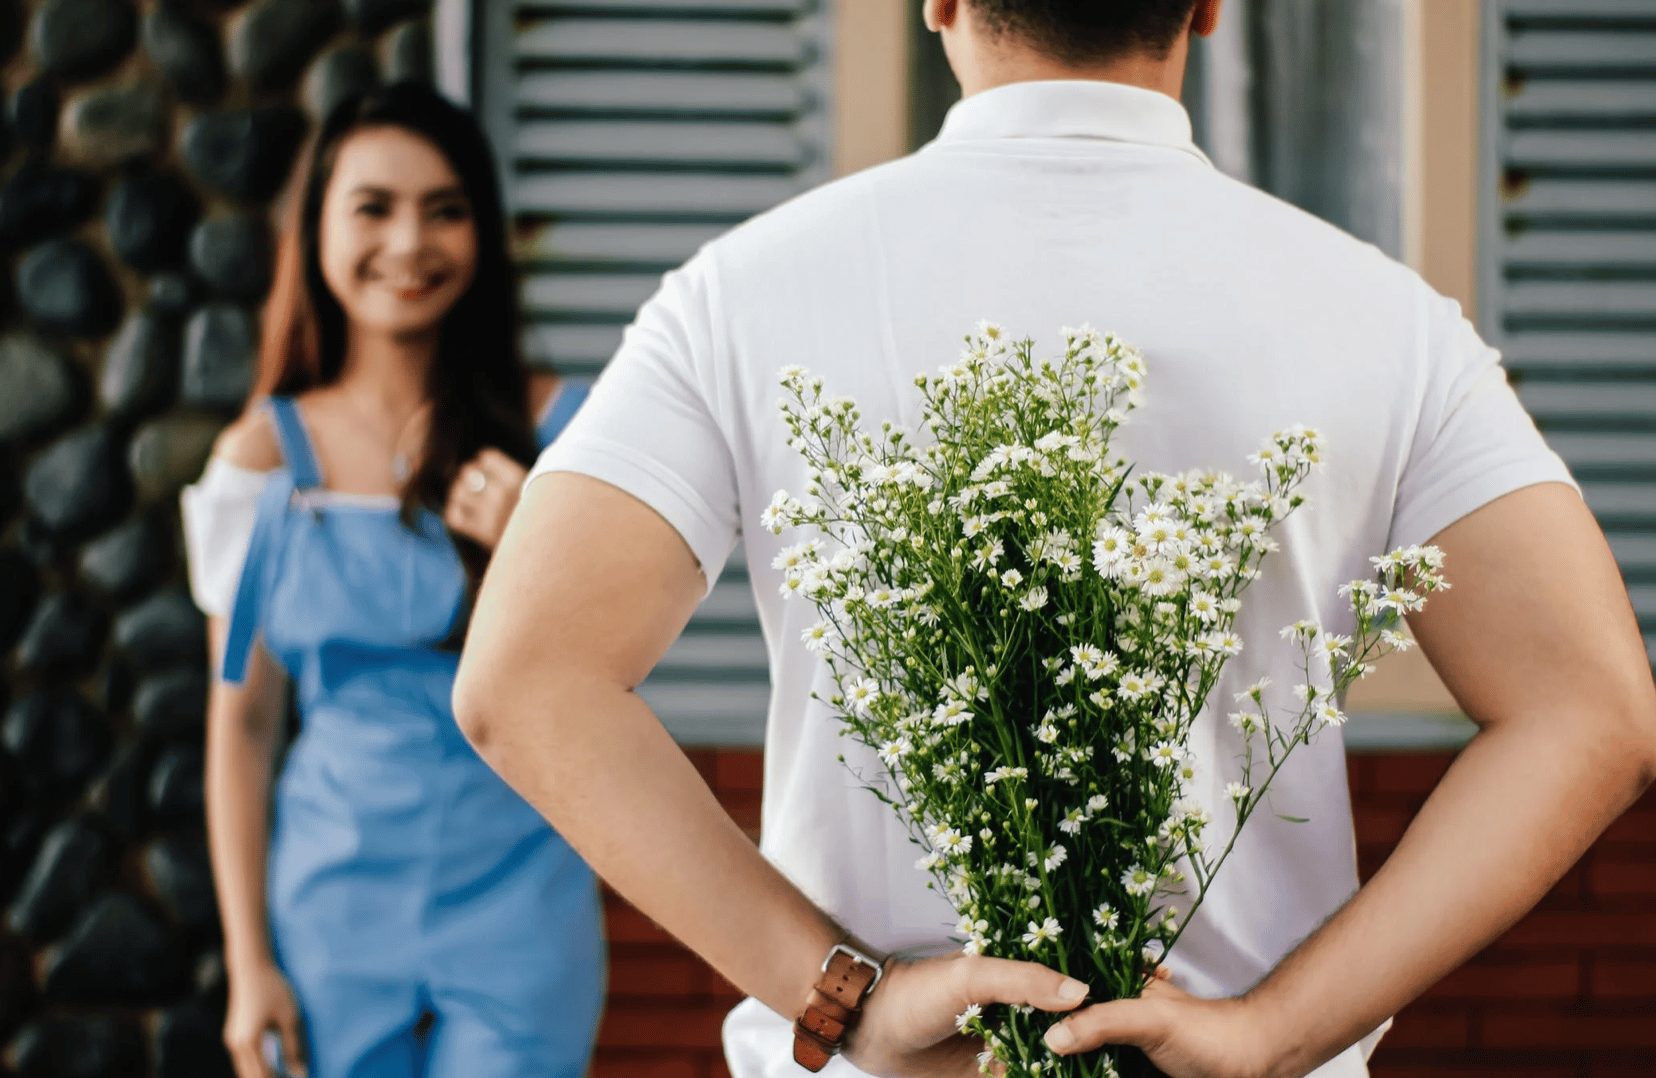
[114, 124]
[168, 453]
[56, 737]
[343, 73]
[140, 368]
[187, 50]
[274, 40]
[17, 598]
[232, 254]
[119, 954]
[188, 1044]
[76, 39]
[171, 295]
[64, 634]
[175, 785]
[79, 485]
[65, 288]
[77, 1046]
[245, 153]
[128, 559]
[219, 343]
[40, 201]
[39, 389]
[182, 879]
[16, 983]
[171, 706]
[34, 113]
[372, 16]
[120, 796]
[72, 862]
[11, 35]
[149, 220]
[410, 52]
[162, 631]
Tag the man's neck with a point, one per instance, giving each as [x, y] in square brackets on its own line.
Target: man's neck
[1164, 75]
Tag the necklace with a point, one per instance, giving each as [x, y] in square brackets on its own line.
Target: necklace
[402, 467]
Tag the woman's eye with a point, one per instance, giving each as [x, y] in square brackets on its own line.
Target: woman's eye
[453, 211]
[373, 209]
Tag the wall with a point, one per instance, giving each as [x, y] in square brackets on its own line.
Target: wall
[1569, 992]
[141, 145]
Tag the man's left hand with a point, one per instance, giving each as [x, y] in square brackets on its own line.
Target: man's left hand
[1183, 1036]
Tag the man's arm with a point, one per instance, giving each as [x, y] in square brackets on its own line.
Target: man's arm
[586, 591]
[1538, 643]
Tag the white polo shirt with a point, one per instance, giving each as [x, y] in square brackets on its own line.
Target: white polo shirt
[1042, 205]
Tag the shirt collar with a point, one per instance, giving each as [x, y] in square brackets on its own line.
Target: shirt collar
[1072, 108]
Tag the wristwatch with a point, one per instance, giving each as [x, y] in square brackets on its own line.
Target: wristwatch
[848, 975]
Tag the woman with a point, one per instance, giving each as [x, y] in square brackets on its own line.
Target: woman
[337, 535]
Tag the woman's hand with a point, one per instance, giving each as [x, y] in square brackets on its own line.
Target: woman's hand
[484, 493]
[261, 1001]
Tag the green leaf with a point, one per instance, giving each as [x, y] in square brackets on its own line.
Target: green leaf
[1293, 819]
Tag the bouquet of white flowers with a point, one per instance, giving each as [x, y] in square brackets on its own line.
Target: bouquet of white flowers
[1025, 635]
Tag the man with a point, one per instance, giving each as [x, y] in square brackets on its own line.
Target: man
[1064, 188]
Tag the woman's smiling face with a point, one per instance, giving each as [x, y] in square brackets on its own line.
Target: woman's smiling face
[396, 239]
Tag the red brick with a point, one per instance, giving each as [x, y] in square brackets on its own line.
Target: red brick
[1413, 774]
[1618, 878]
[740, 770]
[1637, 1065]
[636, 1025]
[657, 976]
[1381, 824]
[1618, 977]
[1587, 1029]
[614, 1064]
[1436, 1065]
[624, 924]
[1358, 771]
[1637, 826]
[1582, 928]
[743, 808]
[1431, 1025]
[706, 763]
[1546, 976]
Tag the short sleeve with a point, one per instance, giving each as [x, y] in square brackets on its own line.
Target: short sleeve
[648, 426]
[1474, 441]
[219, 510]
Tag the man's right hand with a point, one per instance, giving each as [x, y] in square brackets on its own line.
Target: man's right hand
[908, 1024]
[261, 1001]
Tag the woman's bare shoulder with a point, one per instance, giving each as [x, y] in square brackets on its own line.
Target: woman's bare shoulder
[250, 442]
[543, 386]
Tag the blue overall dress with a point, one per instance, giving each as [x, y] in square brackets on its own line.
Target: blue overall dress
[405, 876]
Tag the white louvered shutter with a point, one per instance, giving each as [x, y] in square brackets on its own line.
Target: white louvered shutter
[631, 132]
[1568, 274]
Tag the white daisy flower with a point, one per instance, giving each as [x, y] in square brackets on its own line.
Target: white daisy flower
[1041, 934]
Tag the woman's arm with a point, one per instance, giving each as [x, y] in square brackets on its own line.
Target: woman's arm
[243, 722]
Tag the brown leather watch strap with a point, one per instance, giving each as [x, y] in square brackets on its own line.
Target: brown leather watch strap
[831, 1010]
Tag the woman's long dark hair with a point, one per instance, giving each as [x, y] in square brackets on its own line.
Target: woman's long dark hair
[478, 386]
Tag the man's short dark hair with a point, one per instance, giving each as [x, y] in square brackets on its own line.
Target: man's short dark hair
[1083, 32]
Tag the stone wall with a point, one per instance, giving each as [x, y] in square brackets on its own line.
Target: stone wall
[142, 141]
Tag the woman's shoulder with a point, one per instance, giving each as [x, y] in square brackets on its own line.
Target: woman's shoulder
[250, 442]
[543, 390]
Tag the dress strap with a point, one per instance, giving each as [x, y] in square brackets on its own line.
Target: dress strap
[564, 406]
[246, 609]
[296, 443]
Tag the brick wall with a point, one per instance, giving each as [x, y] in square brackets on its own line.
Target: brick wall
[1570, 992]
